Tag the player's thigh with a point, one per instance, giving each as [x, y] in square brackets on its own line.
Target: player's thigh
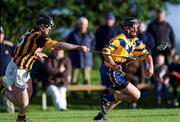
[132, 91]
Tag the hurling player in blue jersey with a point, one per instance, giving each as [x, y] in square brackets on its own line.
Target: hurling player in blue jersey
[126, 44]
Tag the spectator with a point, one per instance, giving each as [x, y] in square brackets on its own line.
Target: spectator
[174, 70]
[58, 70]
[161, 80]
[80, 61]
[162, 32]
[145, 36]
[106, 32]
[147, 39]
[6, 50]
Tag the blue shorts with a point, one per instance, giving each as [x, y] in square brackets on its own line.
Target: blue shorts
[112, 78]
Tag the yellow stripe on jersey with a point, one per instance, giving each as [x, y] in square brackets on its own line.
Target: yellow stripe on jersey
[139, 49]
[123, 46]
[29, 61]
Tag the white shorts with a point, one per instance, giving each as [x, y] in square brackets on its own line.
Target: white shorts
[16, 76]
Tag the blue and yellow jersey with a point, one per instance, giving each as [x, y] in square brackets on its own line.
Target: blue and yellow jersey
[28, 43]
[123, 46]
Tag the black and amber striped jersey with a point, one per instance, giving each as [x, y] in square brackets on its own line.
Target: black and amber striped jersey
[24, 53]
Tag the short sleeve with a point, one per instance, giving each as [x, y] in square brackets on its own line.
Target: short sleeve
[50, 43]
[113, 44]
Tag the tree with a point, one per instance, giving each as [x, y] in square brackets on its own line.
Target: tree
[16, 16]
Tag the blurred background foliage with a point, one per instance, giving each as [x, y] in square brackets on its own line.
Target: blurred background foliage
[18, 15]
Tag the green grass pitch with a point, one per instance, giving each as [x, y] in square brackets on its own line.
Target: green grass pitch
[118, 115]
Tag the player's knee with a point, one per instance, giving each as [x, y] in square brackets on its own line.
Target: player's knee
[137, 95]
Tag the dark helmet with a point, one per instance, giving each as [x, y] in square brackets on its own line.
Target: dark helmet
[129, 21]
[44, 19]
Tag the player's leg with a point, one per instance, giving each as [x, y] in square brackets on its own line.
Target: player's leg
[113, 104]
[7, 93]
[117, 81]
[22, 95]
[128, 93]
[8, 81]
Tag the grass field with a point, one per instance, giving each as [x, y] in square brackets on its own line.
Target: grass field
[124, 115]
[83, 110]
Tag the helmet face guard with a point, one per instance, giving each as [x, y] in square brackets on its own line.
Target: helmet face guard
[46, 20]
[130, 23]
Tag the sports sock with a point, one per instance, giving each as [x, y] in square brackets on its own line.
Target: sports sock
[21, 117]
[109, 97]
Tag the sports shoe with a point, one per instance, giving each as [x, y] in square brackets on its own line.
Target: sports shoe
[99, 117]
[25, 120]
[104, 103]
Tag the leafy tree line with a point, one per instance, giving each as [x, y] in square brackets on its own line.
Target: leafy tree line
[17, 15]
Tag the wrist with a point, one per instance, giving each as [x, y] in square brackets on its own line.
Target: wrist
[79, 47]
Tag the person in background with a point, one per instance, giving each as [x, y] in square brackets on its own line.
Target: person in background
[106, 32]
[161, 80]
[81, 62]
[174, 71]
[149, 42]
[57, 70]
[145, 36]
[162, 32]
[6, 50]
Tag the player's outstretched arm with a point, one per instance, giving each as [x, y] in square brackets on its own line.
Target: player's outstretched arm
[68, 46]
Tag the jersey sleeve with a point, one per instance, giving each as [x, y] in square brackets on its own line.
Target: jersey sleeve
[140, 49]
[113, 44]
[50, 43]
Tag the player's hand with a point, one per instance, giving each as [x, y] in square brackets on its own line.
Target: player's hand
[116, 67]
[84, 49]
[149, 71]
[40, 56]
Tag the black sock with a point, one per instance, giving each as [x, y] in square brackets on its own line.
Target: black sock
[21, 117]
